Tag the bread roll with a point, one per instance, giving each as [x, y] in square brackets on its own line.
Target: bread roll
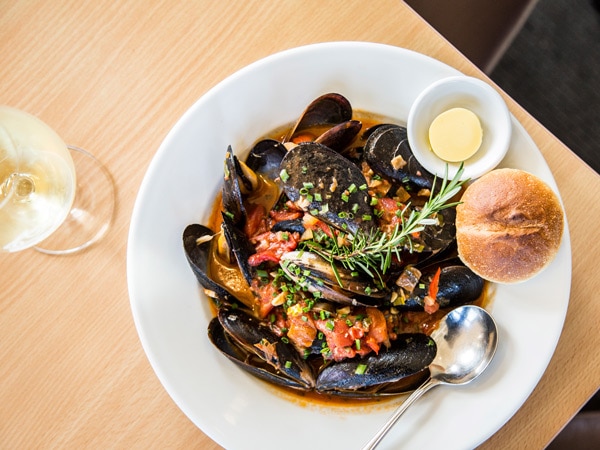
[509, 226]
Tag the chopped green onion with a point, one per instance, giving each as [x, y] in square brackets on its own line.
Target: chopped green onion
[284, 175]
[360, 369]
[357, 343]
[288, 364]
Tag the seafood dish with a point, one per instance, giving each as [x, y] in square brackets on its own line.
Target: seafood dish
[331, 255]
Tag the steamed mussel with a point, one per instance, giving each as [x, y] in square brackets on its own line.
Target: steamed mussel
[332, 256]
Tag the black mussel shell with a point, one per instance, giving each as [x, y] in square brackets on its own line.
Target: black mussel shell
[341, 286]
[198, 257]
[265, 157]
[340, 136]
[239, 245]
[328, 109]
[388, 153]
[406, 360]
[457, 285]
[232, 194]
[252, 344]
[329, 186]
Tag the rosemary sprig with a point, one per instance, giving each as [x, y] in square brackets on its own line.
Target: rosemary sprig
[372, 252]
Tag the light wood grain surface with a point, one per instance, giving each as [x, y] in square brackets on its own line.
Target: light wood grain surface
[113, 77]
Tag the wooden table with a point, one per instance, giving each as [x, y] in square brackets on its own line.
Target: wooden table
[113, 77]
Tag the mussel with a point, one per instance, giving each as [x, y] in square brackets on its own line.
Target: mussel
[255, 348]
[388, 153]
[397, 369]
[328, 186]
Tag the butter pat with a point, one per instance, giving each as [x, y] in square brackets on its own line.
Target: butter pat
[455, 135]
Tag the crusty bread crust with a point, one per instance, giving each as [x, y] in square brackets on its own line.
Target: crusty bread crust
[509, 226]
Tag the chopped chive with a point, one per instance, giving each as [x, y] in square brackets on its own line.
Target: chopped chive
[360, 369]
[345, 197]
[330, 325]
[308, 185]
[374, 201]
[355, 208]
[367, 217]
[284, 175]
[363, 187]
[262, 273]
[357, 343]
[288, 364]
[318, 197]
[228, 214]
[352, 188]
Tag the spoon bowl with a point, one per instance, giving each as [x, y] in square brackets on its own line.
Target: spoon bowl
[466, 340]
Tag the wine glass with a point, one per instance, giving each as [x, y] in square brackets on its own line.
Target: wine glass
[55, 198]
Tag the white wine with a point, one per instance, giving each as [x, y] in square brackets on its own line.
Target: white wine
[37, 180]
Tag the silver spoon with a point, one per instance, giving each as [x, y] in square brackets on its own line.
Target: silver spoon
[466, 340]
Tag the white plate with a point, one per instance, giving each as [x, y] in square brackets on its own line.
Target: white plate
[171, 315]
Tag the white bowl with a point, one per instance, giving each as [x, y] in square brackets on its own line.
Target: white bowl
[460, 92]
[172, 314]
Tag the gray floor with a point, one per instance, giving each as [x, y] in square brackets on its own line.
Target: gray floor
[552, 69]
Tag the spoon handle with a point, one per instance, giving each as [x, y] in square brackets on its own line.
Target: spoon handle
[431, 382]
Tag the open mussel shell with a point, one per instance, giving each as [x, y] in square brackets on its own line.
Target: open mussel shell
[388, 153]
[340, 136]
[457, 285]
[341, 286]
[239, 245]
[394, 370]
[198, 252]
[265, 158]
[328, 109]
[437, 238]
[327, 185]
[254, 347]
[232, 192]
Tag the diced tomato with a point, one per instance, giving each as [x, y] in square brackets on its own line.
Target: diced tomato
[255, 220]
[312, 223]
[389, 213]
[265, 293]
[278, 216]
[378, 331]
[430, 305]
[434, 284]
[271, 246]
[338, 338]
[301, 330]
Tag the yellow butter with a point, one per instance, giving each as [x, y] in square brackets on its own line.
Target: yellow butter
[455, 135]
